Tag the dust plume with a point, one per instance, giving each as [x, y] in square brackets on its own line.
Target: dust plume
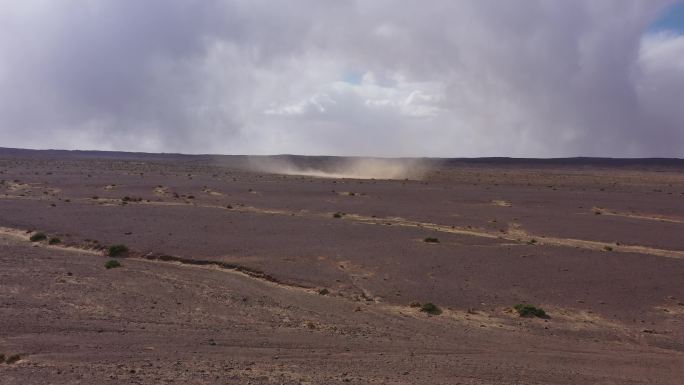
[334, 167]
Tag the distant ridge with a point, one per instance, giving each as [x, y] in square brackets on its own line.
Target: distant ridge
[6, 152]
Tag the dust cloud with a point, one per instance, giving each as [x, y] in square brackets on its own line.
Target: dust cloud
[352, 168]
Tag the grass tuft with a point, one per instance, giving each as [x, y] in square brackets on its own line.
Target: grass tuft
[12, 359]
[117, 250]
[37, 237]
[112, 264]
[527, 310]
[431, 308]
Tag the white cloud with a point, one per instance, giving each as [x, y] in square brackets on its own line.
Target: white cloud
[407, 99]
[441, 78]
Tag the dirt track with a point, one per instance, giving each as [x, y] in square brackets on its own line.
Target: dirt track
[222, 282]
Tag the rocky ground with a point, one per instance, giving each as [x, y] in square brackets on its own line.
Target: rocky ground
[239, 276]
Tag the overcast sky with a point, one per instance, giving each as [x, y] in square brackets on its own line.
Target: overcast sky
[453, 78]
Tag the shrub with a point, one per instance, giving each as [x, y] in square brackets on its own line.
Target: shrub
[431, 308]
[116, 250]
[13, 358]
[338, 215]
[112, 264]
[54, 241]
[607, 248]
[37, 237]
[431, 240]
[2, 358]
[527, 310]
[324, 291]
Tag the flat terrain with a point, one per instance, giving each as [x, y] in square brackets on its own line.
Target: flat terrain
[236, 275]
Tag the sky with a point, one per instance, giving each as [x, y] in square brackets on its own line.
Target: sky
[439, 78]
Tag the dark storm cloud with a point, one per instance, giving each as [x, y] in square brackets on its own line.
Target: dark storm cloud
[447, 78]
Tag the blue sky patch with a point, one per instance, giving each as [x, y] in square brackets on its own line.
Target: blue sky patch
[671, 20]
[352, 77]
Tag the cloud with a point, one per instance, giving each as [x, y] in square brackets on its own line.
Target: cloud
[444, 78]
[401, 98]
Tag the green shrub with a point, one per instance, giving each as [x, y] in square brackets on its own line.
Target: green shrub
[37, 237]
[116, 250]
[431, 308]
[431, 240]
[112, 264]
[527, 310]
[54, 241]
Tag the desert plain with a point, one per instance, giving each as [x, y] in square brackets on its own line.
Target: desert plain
[292, 270]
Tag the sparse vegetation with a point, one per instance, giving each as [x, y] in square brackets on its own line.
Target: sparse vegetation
[431, 308]
[2, 358]
[54, 241]
[37, 237]
[338, 215]
[527, 310]
[112, 264]
[12, 359]
[324, 291]
[117, 250]
[431, 240]
[532, 242]
[607, 248]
